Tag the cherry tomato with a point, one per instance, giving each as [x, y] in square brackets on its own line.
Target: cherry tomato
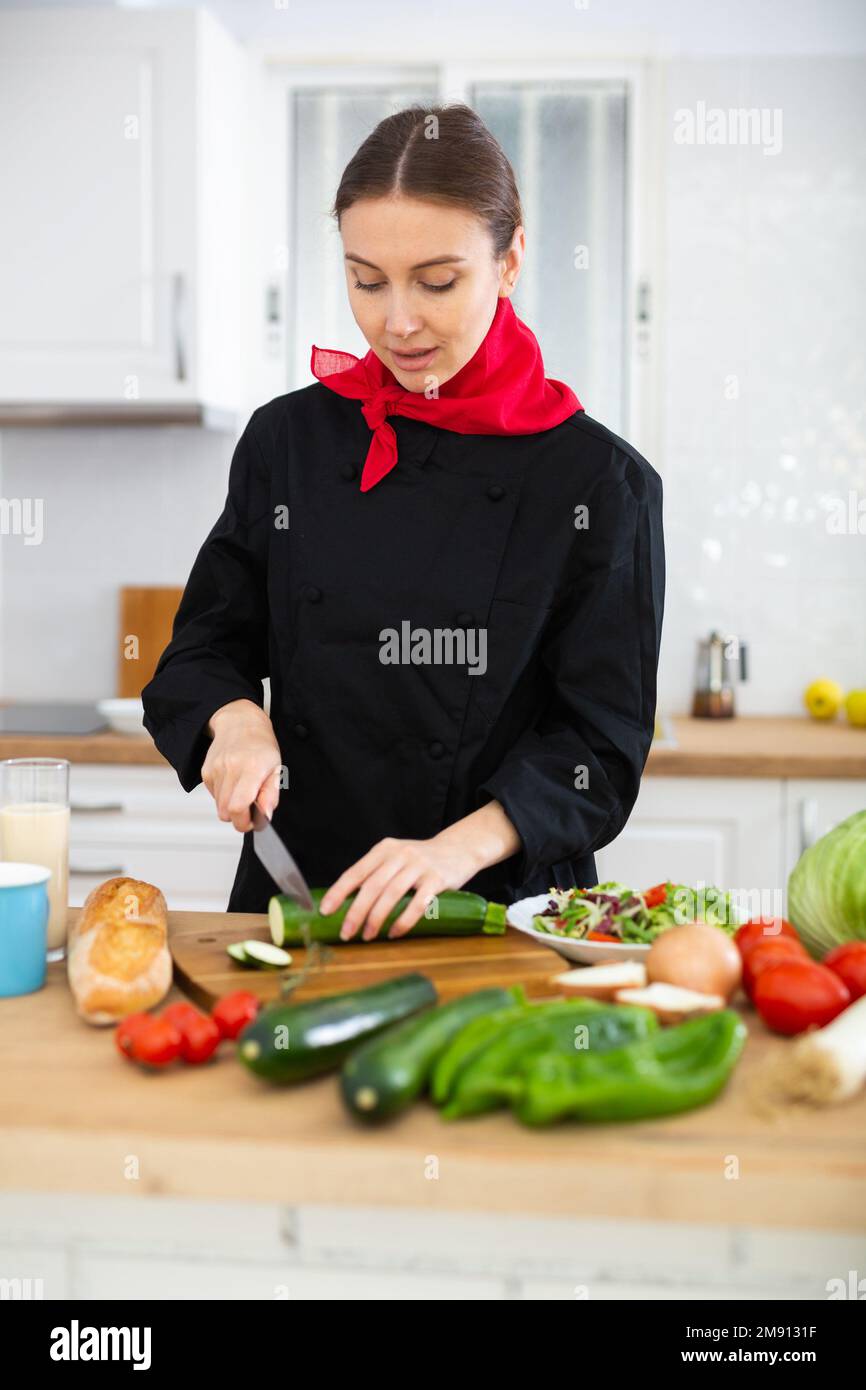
[794, 995]
[126, 1031]
[233, 1012]
[767, 953]
[200, 1040]
[752, 933]
[179, 1013]
[849, 963]
[653, 897]
[157, 1044]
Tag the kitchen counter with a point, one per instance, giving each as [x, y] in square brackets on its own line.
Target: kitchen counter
[74, 1115]
[768, 746]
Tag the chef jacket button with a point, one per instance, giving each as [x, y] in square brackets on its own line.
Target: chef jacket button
[465, 619]
[348, 471]
[300, 731]
[495, 492]
[436, 750]
[313, 595]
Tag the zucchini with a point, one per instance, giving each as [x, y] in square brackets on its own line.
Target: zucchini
[383, 1076]
[457, 914]
[286, 1043]
[238, 954]
[266, 956]
[259, 955]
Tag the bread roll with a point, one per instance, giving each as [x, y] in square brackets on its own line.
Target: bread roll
[117, 955]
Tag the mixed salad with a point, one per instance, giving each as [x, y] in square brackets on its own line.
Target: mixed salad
[614, 913]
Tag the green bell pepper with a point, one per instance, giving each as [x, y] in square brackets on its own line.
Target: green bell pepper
[674, 1069]
[464, 1046]
[490, 1076]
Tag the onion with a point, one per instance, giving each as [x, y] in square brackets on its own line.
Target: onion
[695, 956]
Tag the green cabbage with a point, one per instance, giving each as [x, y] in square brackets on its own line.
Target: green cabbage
[827, 888]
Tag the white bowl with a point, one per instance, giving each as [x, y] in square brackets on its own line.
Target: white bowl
[123, 716]
[520, 915]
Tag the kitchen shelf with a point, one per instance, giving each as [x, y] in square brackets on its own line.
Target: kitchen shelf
[42, 415]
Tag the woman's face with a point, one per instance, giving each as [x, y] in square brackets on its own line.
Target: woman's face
[423, 284]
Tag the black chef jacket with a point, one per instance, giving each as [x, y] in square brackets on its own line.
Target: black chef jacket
[551, 542]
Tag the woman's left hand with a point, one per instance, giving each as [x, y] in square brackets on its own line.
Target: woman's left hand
[391, 869]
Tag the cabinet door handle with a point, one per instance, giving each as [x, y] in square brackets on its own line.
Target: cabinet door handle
[807, 816]
[178, 324]
[96, 808]
[111, 872]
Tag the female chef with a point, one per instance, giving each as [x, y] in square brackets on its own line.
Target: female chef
[452, 575]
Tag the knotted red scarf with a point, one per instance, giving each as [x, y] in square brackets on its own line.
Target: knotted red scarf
[502, 389]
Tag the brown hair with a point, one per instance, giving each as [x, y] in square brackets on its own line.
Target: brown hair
[443, 154]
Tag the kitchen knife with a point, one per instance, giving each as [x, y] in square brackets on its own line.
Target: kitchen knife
[279, 863]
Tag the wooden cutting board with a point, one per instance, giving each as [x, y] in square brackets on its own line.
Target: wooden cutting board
[456, 965]
[146, 615]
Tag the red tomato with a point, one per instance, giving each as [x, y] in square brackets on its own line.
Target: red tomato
[200, 1039]
[126, 1031]
[233, 1012]
[766, 953]
[180, 1013]
[751, 933]
[794, 995]
[849, 963]
[654, 896]
[157, 1044]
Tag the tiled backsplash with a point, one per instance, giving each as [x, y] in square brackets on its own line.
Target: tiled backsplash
[120, 506]
[765, 378]
[760, 322]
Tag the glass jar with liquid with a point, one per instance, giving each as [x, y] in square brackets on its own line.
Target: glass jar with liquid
[34, 829]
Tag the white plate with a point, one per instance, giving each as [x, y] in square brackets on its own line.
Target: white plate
[124, 716]
[520, 915]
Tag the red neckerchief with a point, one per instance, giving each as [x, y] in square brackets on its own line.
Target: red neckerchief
[502, 389]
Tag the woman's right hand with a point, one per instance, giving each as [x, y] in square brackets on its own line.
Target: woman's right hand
[243, 763]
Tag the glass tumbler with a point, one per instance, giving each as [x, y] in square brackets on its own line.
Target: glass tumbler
[34, 829]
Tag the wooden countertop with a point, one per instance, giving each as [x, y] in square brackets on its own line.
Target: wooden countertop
[74, 1115]
[768, 746]
[123, 749]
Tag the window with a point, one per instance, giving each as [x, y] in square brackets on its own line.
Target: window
[568, 141]
[328, 127]
[567, 146]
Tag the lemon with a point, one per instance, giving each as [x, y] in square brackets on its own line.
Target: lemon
[823, 699]
[855, 708]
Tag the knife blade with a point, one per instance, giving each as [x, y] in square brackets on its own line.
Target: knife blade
[279, 863]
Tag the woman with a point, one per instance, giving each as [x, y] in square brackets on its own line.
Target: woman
[452, 575]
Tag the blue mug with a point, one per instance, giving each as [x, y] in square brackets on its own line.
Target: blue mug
[23, 927]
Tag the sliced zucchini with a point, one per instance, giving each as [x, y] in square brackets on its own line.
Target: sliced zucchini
[259, 955]
[266, 956]
[238, 954]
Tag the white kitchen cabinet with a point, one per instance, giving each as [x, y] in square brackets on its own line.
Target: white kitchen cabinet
[718, 831]
[815, 806]
[121, 240]
[140, 822]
